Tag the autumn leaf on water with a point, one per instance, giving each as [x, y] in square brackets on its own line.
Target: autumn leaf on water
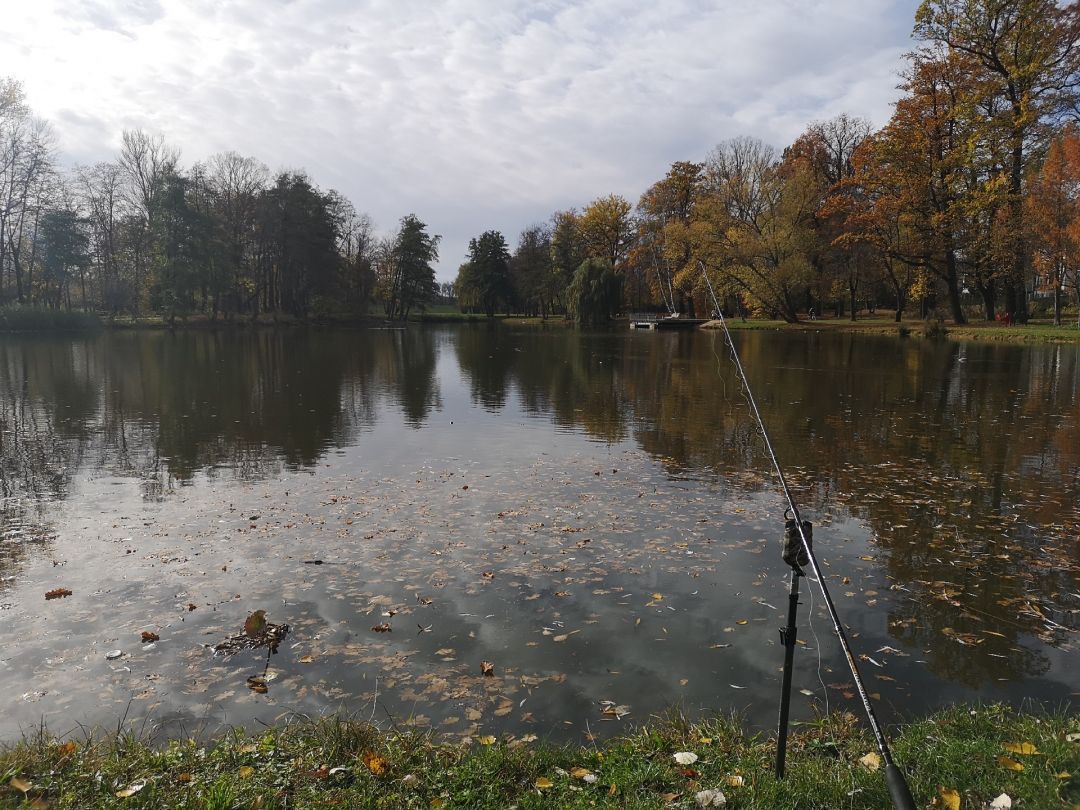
[374, 763]
[257, 684]
[149, 638]
[255, 623]
[487, 669]
[57, 593]
[382, 627]
[306, 659]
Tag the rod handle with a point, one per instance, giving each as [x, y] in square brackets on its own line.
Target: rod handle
[898, 788]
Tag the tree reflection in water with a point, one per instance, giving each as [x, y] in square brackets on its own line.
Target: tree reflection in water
[962, 460]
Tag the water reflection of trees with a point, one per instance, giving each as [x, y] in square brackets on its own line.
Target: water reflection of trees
[962, 459]
[163, 407]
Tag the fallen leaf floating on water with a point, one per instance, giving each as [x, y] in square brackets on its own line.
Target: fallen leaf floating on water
[686, 757]
[487, 668]
[131, 790]
[255, 623]
[950, 799]
[257, 684]
[1002, 802]
[1022, 748]
[149, 638]
[1011, 764]
[375, 763]
[610, 709]
[57, 593]
[306, 659]
[382, 627]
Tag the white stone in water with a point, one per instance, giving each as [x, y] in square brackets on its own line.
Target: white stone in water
[112, 655]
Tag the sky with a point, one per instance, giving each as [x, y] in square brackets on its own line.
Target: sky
[472, 114]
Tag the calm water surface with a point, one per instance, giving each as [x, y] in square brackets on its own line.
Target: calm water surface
[591, 513]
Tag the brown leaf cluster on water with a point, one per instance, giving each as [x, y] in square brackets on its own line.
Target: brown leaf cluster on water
[258, 632]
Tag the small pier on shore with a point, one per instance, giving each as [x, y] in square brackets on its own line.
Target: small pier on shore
[658, 321]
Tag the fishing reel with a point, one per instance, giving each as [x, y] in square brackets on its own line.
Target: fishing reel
[794, 552]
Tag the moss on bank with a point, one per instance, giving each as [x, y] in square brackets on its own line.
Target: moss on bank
[978, 752]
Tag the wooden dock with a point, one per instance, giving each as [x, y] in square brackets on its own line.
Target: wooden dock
[665, 322]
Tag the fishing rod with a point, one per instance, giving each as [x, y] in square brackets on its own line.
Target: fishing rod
[799, 553]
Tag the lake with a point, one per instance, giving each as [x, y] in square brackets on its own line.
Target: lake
[590, 513]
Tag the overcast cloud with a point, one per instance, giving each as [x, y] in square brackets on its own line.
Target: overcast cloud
[474, 114]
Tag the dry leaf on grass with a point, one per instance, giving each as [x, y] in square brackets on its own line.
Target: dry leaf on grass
[950, 799]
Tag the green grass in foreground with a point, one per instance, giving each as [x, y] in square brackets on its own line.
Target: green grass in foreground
[975, 752]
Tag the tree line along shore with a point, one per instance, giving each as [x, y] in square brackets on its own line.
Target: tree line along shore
[965, 205]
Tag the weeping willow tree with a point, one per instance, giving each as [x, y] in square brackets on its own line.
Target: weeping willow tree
[594, 293]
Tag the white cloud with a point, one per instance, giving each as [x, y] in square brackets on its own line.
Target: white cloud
[472, 113]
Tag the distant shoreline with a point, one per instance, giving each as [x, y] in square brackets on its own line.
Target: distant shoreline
[1036, 331]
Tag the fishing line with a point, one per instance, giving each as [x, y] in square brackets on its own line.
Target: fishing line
[817, 646]
[898, 788]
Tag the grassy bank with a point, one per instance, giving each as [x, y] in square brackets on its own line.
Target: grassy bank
[16, 318]
[961, 758]
[1035, 331]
